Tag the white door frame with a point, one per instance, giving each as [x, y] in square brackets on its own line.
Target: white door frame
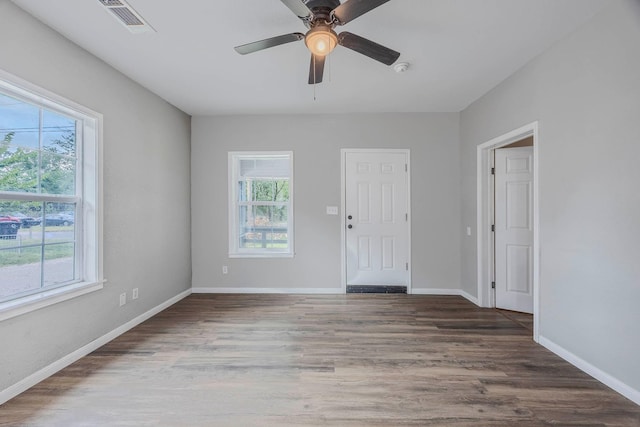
[343, 199]
[485, 208]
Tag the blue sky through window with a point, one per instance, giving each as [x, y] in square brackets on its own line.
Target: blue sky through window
[24, 120]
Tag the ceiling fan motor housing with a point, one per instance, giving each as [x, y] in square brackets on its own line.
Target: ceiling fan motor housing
[330, 4]
[321, 10]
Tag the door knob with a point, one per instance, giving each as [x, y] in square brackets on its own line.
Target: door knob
[349, 226]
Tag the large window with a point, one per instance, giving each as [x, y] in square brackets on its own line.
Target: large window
[49, 193]
[260, 204]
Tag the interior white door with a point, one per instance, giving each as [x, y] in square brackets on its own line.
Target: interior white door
[514, 228]
[376, 209]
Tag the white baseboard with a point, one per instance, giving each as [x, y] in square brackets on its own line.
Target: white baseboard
[248, 290]
[469, 297]
[608, 380]
[321, 291]
[456, 292]
[324, 291]
[47, 371]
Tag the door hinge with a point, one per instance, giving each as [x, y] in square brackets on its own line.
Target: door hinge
[406, 167]
[493, 171]
[493, 227]
[493, 285]
[406, 266]
[406, 217]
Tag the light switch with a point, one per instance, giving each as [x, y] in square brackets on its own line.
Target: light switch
[332, 210]
[468, 231]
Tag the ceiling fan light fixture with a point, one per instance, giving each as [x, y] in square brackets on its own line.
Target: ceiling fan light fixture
[321, 40]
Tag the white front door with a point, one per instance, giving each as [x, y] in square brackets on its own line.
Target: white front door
[514, 228]
[377, 218]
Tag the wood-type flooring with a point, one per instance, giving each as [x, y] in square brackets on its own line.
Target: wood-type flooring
[339, 360]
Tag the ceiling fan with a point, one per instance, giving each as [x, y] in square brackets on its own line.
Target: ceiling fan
[321, 17]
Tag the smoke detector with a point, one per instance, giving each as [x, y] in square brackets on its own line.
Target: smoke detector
[401, 67]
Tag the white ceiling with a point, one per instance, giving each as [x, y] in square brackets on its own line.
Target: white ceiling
[458, 50]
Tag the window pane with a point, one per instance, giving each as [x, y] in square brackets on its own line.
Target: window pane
[58, 133]
[263, 227]
[20, 246]
[18, 169]
[58, 174]
[19, 268]
[19, 122]
[265, 167]
[23, 166]
[27, 236]
[59, 264]
[27, 215]
[59, 220]
[270, 190]
[59, 243]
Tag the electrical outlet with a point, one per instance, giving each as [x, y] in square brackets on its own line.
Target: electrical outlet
[123, 299]
[225, 269]
[134, 293]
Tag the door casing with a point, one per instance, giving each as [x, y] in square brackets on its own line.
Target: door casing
[343, 183]
[484, 216]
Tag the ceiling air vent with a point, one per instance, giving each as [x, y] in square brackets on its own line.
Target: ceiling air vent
[126, 15]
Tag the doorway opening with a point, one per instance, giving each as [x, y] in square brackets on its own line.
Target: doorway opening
[486, 197]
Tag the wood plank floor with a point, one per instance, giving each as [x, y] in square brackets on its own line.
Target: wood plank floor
[342, 360]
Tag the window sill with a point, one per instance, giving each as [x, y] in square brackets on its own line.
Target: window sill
[262, 255]
[43, 299]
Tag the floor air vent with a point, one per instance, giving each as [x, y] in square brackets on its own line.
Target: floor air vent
[126, 15]
[360, 289]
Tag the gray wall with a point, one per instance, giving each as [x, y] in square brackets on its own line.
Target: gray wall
[146, 196]
[585, 93]
[316, 142]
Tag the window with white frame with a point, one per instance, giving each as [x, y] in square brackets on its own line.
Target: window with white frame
[261, 204]
[49, 197]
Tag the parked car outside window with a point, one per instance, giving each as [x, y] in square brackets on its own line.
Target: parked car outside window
[26, 221]
[58, 219]
[9, 226]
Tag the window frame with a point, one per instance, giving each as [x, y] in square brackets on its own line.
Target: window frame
[88, 196]
[234, 205]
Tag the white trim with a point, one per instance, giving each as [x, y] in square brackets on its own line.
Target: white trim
[343, 201]
[250, 290]
[44, 373]
[483, 207]
[29, 303]
[451, 292]
[232, 209]
[608, 380]
[51, 100]
[321, 291]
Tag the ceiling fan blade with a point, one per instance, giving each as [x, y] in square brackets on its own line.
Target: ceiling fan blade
[299, 8]
[267, 43]
[316, 69]
[368, 48]
[351, 9]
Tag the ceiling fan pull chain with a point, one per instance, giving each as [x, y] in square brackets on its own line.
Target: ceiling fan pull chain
[314, 77]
